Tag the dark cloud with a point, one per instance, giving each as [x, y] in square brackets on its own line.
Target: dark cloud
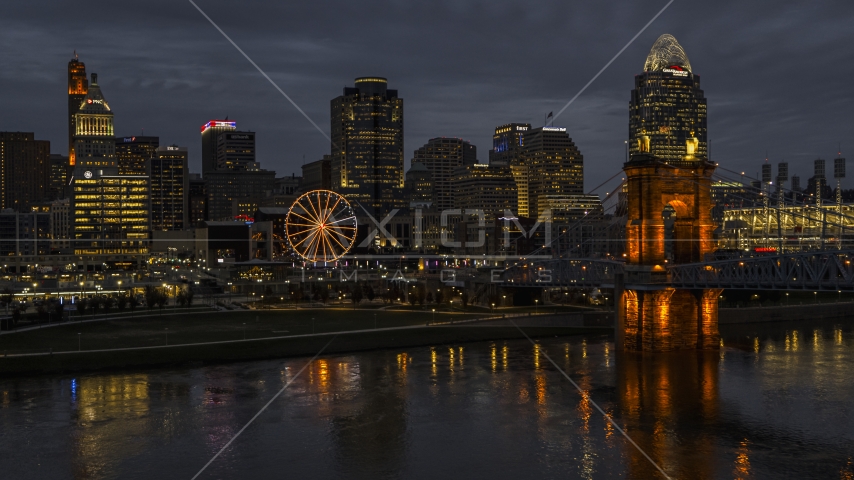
[777, 74]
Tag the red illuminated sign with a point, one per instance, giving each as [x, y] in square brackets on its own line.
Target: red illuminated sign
[219, 123]
[765, 250]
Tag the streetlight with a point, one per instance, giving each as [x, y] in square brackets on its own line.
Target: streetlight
[787, 298]
[434, 315]
[493, 308]
[504, 302]
[536, 304]
[815, 296]
[78, 341]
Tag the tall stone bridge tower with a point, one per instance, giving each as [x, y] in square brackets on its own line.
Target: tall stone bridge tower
[669, 222]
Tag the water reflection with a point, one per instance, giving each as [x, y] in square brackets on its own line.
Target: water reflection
[482, 410]
[666, 402]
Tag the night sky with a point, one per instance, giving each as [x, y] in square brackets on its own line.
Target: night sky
[777, 74]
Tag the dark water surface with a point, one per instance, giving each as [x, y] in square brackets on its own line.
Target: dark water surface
[776, 402]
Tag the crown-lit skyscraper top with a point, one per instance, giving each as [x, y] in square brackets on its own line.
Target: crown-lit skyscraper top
[666, 53]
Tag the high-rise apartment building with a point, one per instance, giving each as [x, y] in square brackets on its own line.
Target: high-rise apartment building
[367, 145]
[550, 164]
[443, 156]
[667, 108]
[507, 143]
[133, 153]
[24, 170]
[78, 87]
[170, 183]
[210, 137]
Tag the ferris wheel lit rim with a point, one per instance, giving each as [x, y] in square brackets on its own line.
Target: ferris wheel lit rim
[321, 226]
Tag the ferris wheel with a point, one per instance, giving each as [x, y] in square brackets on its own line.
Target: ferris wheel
[321, 226]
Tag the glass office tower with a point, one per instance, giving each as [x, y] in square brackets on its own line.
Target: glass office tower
[667, 109]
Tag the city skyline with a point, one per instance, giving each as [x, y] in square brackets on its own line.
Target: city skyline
[181, 90]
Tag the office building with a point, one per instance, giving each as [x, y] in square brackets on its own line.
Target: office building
[197, 200]
[78, 87]
[24, 170]
[486, 188]
[288, 185]
[58, 183]
[667, 106]
[235, 151]
[111, 216]
[223, 188]
[507, 143]
[442, 157]
[170, 183]
[317, 175]
[60, 225]
[210, 137]
[94, 139]
[550, 164]
[367, 145]
[133, 153]
[24, 233]
[419, 185]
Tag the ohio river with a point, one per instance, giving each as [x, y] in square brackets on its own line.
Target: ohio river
[775, 402]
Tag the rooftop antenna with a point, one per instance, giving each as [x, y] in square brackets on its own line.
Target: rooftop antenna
[75, 54]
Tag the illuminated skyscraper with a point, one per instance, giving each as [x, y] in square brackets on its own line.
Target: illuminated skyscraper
[78, 87]
[442, 157]
[507, 143]
[210, 137]
[550, 164]
[110, 213]
[367, 145]
[170, 184]
[94, 136]
[111, 216]
[133, 154]
[667, 111]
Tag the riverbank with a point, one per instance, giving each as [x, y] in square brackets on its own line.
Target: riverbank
[785, 313]
[275, 347]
